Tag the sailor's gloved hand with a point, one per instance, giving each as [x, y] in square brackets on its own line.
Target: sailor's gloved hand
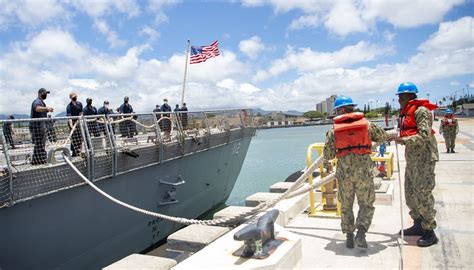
[392, 135]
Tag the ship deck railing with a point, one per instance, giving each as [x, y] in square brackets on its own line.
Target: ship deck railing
[106, 146]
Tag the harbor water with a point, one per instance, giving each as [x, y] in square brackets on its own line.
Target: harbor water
[273, 155]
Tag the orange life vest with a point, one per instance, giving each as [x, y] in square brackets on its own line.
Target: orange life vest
[449, 121]
[352, 134]
[407, 122]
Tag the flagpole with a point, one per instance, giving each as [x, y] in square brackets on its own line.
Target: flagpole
[185, 72]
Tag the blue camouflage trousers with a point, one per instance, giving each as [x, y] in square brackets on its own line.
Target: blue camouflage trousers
[361, 186]
[419, 184]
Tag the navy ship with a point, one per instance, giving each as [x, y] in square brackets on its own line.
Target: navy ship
[180, 164]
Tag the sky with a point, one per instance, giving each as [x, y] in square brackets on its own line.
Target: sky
[275, 54]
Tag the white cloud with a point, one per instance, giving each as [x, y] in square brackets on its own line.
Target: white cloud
[437, 59]
[111, 36]
[150, 32]
[96, 9]
[307, 6]
[84, 83]
[388, 36]
[310, 20]
[30, 12]
[251, 47]
[451, 36]
[55, 60]
[409, 13]
[307, 60]
[157, 7]
[343, 17]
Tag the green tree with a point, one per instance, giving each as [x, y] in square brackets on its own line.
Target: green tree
[387, 108]
[371, 114]
[365, 108]
[313, 114]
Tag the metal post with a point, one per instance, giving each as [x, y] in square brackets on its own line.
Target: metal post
[158, 137]
[309, 159]
[7, 158]
[87, 142]
[110, 131]
[109, 137]
[185, 72]
[401, 207]
[208, 130]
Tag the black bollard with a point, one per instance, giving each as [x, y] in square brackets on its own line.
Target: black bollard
[259, 239]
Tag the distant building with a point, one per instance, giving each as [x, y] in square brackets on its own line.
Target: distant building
[279, 123]
[321, 107]
[330, 104]
[284, 115]
[466, 109]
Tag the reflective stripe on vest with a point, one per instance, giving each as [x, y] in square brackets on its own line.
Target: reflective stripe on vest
[449, 121]
[352, 134]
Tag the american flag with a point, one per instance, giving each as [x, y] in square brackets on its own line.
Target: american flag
[202, 53]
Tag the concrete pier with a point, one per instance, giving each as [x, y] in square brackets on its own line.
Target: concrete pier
[324, 243]
[318, 243]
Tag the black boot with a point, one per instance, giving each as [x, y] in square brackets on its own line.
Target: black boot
[452, 150]
[350, 240]
[428, 239]
[448, 150]
[416, 229]
[360, 237]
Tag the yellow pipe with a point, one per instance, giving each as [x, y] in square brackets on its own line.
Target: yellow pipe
[312, 209]
[309, 161]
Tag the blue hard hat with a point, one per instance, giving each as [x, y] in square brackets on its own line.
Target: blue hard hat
[407, 87]
[449, 111]
[342, 101]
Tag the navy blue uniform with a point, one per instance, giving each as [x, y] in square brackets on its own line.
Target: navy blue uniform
[125, 108]
[165, 123]
[89, 110]
[76, 140]
[104, 111]
[38, 133]
[7, 132]
[184, 116]
[158, 115]
[127, 128]
[91, 126]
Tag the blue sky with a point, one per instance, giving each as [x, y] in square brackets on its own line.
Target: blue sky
[276, 55]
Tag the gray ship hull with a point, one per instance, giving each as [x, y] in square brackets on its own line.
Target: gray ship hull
[78, 228]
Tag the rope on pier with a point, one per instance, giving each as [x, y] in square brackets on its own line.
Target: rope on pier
[290, 193]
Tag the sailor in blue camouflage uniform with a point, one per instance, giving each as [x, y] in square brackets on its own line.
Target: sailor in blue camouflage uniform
[350, 140]
[421, 155]
[449, 127]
